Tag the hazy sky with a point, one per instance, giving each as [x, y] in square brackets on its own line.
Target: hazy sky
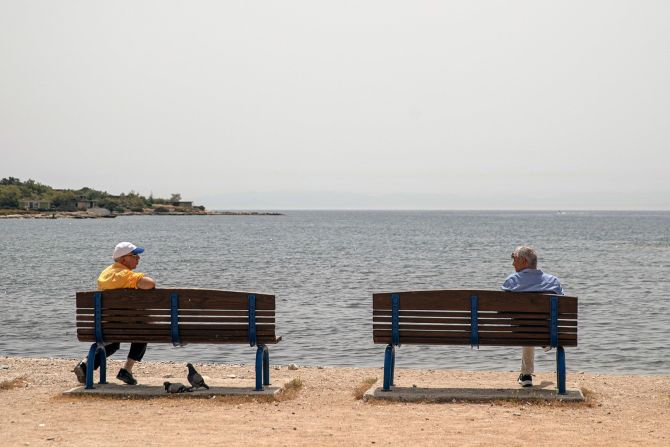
[342, 104]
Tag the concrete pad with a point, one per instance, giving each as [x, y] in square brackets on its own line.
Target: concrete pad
[153, 387]
[429, 394]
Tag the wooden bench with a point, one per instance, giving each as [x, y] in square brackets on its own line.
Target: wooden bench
[475, 318]
[177, 316]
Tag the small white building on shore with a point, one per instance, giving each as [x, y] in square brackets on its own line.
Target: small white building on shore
[35, 204]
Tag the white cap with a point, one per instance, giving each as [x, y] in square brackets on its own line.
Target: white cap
[126, 248]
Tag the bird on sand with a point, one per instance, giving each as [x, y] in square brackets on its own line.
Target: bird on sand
[174, 388]
[194, 378]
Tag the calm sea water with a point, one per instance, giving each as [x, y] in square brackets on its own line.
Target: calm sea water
[324, 266]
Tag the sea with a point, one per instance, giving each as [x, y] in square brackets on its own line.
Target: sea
[324, 266]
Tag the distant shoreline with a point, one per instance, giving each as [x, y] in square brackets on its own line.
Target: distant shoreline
[90, 215]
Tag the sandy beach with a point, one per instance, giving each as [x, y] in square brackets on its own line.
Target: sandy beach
[326, 410]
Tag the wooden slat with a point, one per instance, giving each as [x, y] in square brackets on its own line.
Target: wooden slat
[536, 343]
[143, 318]
[482, 321]
[408, 333]
[426, 327]
[463, 314]
[423, 320]
[125, 312]
[488, 301]
[182, 312]
[182, 319]
[419, 327]
[422, 313]
[515, 334]
[424, 340]
[505, 324]
[466, 341]
[259, 320]
[121, 328]
[184, 340]
[128, 338]
[188, 299]
[529, 315]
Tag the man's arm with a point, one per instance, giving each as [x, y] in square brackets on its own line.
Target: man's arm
[511, 282]
[146, 282]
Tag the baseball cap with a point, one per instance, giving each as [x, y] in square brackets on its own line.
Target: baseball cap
[126, 248]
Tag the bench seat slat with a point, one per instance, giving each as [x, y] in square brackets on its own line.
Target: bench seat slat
[188, 299]
[460, 300]
[130, 303]
[509, 333]
[460, 327]
[185, 339]
[182, 319]
[382, 315]
[182, 312]
[466, 341]
[422, 313]
[482, 321]
[166, 327]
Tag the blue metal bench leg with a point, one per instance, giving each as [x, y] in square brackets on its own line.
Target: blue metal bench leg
[266, 366]
[389, 364]
[261, 355]
[103, 365]
[393, 367]
[560, 369]
[90, 362]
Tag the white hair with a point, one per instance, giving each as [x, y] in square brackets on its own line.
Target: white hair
[528, 253]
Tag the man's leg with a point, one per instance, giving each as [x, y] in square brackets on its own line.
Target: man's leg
[80, 369]
[136, 353]
[528, 360]
[109, 350]
[527, 366]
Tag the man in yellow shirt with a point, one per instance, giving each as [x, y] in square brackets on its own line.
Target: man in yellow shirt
[120, 275]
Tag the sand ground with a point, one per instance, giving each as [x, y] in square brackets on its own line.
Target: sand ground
[620, 410]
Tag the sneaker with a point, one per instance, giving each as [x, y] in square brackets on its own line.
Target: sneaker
[80, 372]
[547, 348]
[125, 376]
[525, 380]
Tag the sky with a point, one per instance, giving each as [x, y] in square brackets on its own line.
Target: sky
[342, 104]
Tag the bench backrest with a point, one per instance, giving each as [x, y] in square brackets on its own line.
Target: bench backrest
[178, 316]
[446, 317]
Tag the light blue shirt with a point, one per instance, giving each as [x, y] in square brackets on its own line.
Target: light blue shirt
[532, 280]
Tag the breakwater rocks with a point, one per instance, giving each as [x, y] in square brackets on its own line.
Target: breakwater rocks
[55, 215]
[9, 214]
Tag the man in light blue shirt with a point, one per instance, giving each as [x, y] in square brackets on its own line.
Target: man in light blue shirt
[528, 278]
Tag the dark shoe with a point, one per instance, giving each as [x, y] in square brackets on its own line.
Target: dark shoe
[80, 372]
[525, 380]
[125, 376]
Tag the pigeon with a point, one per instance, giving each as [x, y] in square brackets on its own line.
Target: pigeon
[194, 378]
[174, 388]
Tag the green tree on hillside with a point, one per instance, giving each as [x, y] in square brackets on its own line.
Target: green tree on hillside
[9, 195]
[10, 181]
[62, 200]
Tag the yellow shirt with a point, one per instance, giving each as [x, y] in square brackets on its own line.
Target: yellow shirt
[118, 276]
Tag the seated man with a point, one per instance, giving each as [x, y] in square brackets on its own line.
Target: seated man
[528, 278]
[120, 275]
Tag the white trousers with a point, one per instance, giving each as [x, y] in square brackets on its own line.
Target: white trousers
[528, 360]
